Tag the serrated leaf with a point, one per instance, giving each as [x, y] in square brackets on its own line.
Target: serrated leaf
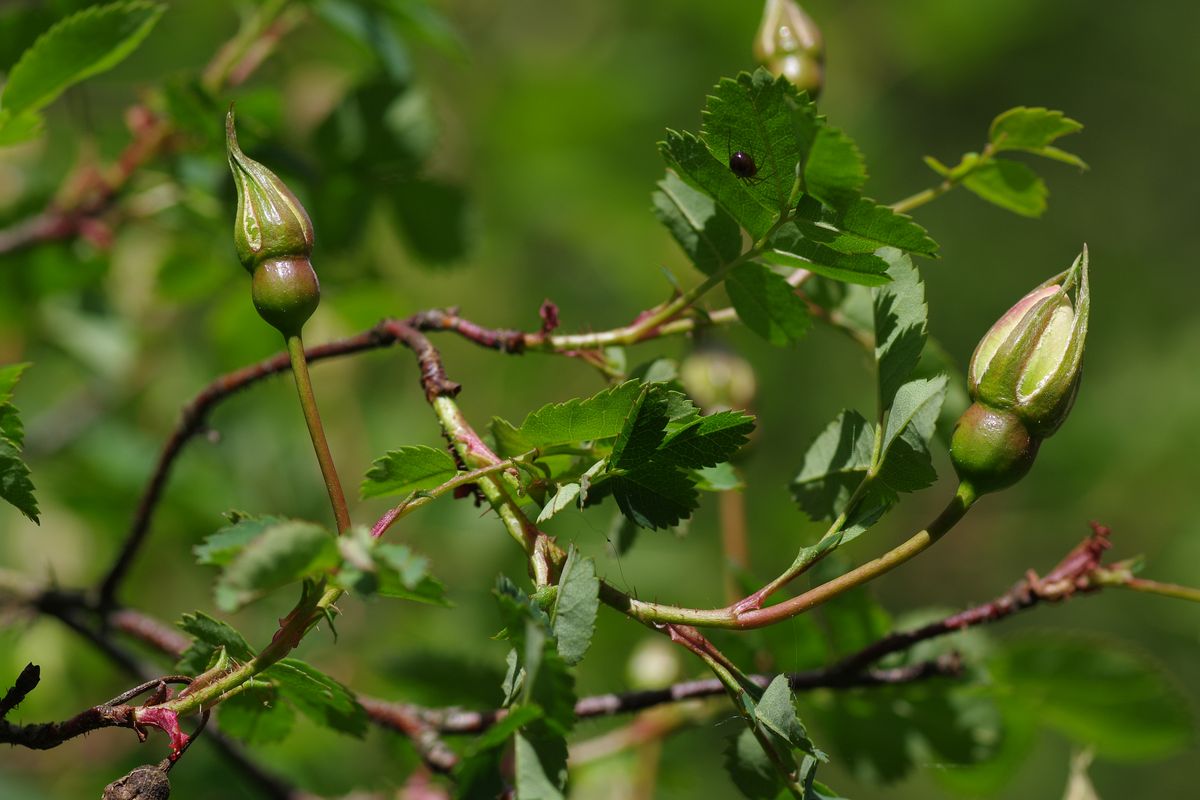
[687, 156]
[862, 226]
[541, 772]
[1010, 185]
[208, 635]
[834, 170]
[282, 554]
[834, 465]
[642, 431]
[318, 696]
[776, 711]
[404, 574]
[15, 484]
[708, 441]
[256, 716]
[655, 495]
[767, 304]
[408, 469]
[600, 416]
[708, 235]
[575, 607]
[900, 316]
[796, 252]
[10, 374]
[904, 457]
[1098, 692]
[221, 547]
[82, 45]
[763, 116]
[1033, 130]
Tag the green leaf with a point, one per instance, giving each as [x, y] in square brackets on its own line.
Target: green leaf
[834, 466]
[643, 430]
[900, 319]
[404, 574]
[708, 235]
[776, 710]
[408, 469]
[256, 716]
[708, 441]
[1033, 130]
[601, 416]
[904, 458]
[696, 166]
[655, 495]
[21, 128]
[82, 45]
[566, 496]
[796, 252]
[318, 696]
[575, 606]
[750, 768]
[1010, 185]
[15, 485]
[499, 733]
[282, 554]
[541, 771]
[208, 635]
[862, 226]
[221, 547]
[1098, 692]
[834, 170]
[767, 304]
[764, 117]
[720, 478]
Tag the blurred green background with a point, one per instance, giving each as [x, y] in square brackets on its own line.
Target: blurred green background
[509, 158]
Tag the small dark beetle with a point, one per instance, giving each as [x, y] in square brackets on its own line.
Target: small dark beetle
[742, 164]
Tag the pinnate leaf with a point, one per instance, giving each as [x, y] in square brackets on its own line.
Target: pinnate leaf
[687, 156]
[835, 464]
[793, 250]
[408, 469]
[767, 304]
[221, 547]
[708, 441]
[600, 416]
[655, 495]
[904, 459]
[862, 226]
[208, 635]
[776, 711]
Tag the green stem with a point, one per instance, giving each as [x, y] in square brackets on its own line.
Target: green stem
[735, 617]
[1150, 587]
[312, 417]
[921, 198]
[217, 73]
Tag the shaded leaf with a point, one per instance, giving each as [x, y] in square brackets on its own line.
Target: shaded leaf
[318, 696]
[600, 416]
[900, 316]
[256, 716]
[643, 430]
[904, 459]
[221, 547]
[541, 771]
[767, 304]
[654, 495]
[862, 226]
[565, 497]
[776, 710]
[708, 235]
[834, 466]
[575, 606]
[208, 635]
[750, 768]
[698, 168]
[796, 252]
[708, 441]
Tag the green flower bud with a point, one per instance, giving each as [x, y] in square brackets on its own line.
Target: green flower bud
[274, 239]
[1023, 378]
[789, 43]
[718, 379]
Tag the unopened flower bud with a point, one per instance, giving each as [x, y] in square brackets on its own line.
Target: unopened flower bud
[1023, 378]
[789, 43]
[718, 379]
[274, 239]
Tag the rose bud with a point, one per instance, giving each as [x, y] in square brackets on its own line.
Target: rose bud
[1023, 378]
[789, 43]
[274, 239]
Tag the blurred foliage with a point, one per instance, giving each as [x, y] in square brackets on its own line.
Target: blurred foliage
[488, 155]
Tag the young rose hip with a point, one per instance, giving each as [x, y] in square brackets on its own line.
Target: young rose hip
[273, 237]
[1023, 378]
